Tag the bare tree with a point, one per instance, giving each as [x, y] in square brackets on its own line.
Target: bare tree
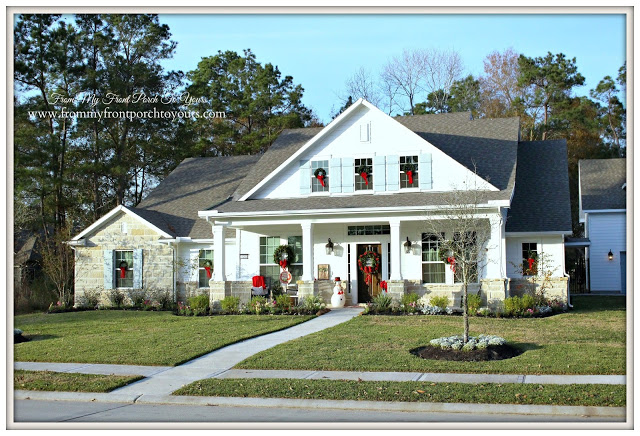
[499, 84]
[405, 74]
[362, 85]
[440, 69]
[462, 229]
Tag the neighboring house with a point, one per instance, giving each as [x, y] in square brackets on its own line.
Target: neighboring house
[603, 210]
[26, 258]
[235, 211]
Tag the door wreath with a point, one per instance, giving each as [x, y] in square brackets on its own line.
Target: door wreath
[369, 264]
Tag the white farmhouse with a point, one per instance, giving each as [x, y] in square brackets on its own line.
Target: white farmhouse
[332, 193]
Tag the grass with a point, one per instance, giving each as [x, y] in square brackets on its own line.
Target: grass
[67, 382]
[591, 339]
[507, 393]
[135, 338]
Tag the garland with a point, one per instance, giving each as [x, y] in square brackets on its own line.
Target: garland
[123, 268]
[364, 172]
[207, 267]
[363, 263]
[288, 255]
[320, 174]
[409, 169]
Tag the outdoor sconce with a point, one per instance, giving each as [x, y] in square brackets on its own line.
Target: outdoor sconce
[610, 255]
[329, 247]
[407, 246]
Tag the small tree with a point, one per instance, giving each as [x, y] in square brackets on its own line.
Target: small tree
[463, 230]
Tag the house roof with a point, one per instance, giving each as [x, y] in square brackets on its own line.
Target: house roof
[601, 183]
[541, 198]
[196, 184]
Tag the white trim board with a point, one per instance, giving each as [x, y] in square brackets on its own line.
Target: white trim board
[114, 212]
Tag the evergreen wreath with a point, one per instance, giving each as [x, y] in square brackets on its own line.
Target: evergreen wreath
[207, 264]
[446, 256]
[364, 169]
[409, 167]
[320, 172]
[277, 255]
[363, 261]
[123, 264]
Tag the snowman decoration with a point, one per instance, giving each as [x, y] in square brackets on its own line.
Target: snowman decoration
[337, 299]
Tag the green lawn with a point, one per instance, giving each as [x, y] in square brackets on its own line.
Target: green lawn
[588, 340]
[136, 338]
[507, 393]
[66, 382]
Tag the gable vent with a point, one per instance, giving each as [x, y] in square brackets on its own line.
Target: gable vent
[365, 132]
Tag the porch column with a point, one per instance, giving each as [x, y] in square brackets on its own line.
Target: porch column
[307, 251]
[396, 247]
[219, 252]
[496, 259]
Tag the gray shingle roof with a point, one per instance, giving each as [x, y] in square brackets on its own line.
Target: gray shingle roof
[601, 183]
[196, 184]
[541, 198]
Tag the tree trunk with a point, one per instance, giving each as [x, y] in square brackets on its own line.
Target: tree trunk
[465, 313]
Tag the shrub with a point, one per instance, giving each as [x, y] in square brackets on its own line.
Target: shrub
[455, 342]
[116, 296]
[519, 306]
[484, 311]
[381, 303]
[230, 304]
[276, 289]
[283, 302]
[137, 297]
[440, 301]
[184, 310]
[59, 306]
[258, 304]
[312, 303]
[90, 298]
[474, 301]
[199, 304]
[164, 298]
[409, 302]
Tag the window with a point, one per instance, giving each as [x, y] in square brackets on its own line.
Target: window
[470, 251]
[369, 230]
[406, 163]
[296, 265]
[124, 267]
[316, 185]
[268, 269]
[360, 184]
[529, 251]
[205, 259]
[432, 266]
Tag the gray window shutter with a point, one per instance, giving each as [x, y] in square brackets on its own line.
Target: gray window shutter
[137, 268]
[335, 173]
[424, 171]
[348, 174]
[379, 173]
[393, 173]
[109, 270]
[305, 177]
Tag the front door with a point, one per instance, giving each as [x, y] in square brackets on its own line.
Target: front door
[367, 291]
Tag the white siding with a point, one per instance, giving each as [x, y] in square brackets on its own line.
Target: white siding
[606, 231]
[552, 246]
[187, 260]
[387, 137]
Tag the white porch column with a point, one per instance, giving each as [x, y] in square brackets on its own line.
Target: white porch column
[307, 251]
[219, 252]
[396, 248]
[496, 255]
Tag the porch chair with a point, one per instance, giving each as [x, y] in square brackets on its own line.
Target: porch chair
[258, 288]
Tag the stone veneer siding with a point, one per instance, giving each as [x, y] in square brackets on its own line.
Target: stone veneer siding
[157, 258]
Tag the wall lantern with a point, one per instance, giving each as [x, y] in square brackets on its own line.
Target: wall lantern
[407, 246]
[610, 255]
[329, 247]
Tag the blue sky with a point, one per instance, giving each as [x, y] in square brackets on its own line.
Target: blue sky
[322, 51]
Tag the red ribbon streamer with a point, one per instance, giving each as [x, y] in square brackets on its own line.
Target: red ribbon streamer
[410, 175]
[283, 263]
[122, 272]
[531, 262]
[321, 178]
[364, 176]
[208, 270]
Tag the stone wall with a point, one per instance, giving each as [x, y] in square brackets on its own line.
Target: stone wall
[219, 290]
[555, 287]
[157, 258]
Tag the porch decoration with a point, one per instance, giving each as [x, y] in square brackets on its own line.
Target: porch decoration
[364, 172]
[337, 299]
[320, 174]
[383, 285]
[283, 255]
[123, 268]
[207, 267]
[532, 259]
[369, 263]
[409, 169]
[447, 257]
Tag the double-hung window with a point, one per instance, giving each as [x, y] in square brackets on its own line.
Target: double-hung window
[363, 166]
[318, 167]
[409, 172]
[124, 269]
[205, 261]
[432, 265]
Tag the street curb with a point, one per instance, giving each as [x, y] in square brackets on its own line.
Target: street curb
[383, 406]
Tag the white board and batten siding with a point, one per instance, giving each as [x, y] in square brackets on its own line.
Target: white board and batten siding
[606, 231]
[552, 246]
[368, 133]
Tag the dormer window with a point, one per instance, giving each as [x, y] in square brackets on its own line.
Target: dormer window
[409, 172]
[364, 174]
[320, 176]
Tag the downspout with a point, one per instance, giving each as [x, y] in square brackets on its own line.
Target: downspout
[564, 274]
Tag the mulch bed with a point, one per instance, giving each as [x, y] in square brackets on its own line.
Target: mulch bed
[19, 338]
[494, 352]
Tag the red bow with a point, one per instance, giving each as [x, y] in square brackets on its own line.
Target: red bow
[383, 285]
[208, 270]
[364, 176]
[452, 263]
[321, 178]
[283, 263]
[122, 272]
[410, 175]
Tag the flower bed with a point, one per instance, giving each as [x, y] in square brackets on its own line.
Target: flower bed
[456, 342]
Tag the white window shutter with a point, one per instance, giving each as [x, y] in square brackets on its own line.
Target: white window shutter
[137, 268]
[348, 174]
[335, 175]
[379, 177]
[425, 171]
[393, 173]
[305, 177]
[109, 270]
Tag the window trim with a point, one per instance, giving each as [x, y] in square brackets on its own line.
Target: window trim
[524, 259]
[432, 262]
[116, 269]
[313, 178]
[356, 175]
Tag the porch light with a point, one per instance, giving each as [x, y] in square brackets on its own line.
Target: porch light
[407, 246]
[329, 247]
[610, 255]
